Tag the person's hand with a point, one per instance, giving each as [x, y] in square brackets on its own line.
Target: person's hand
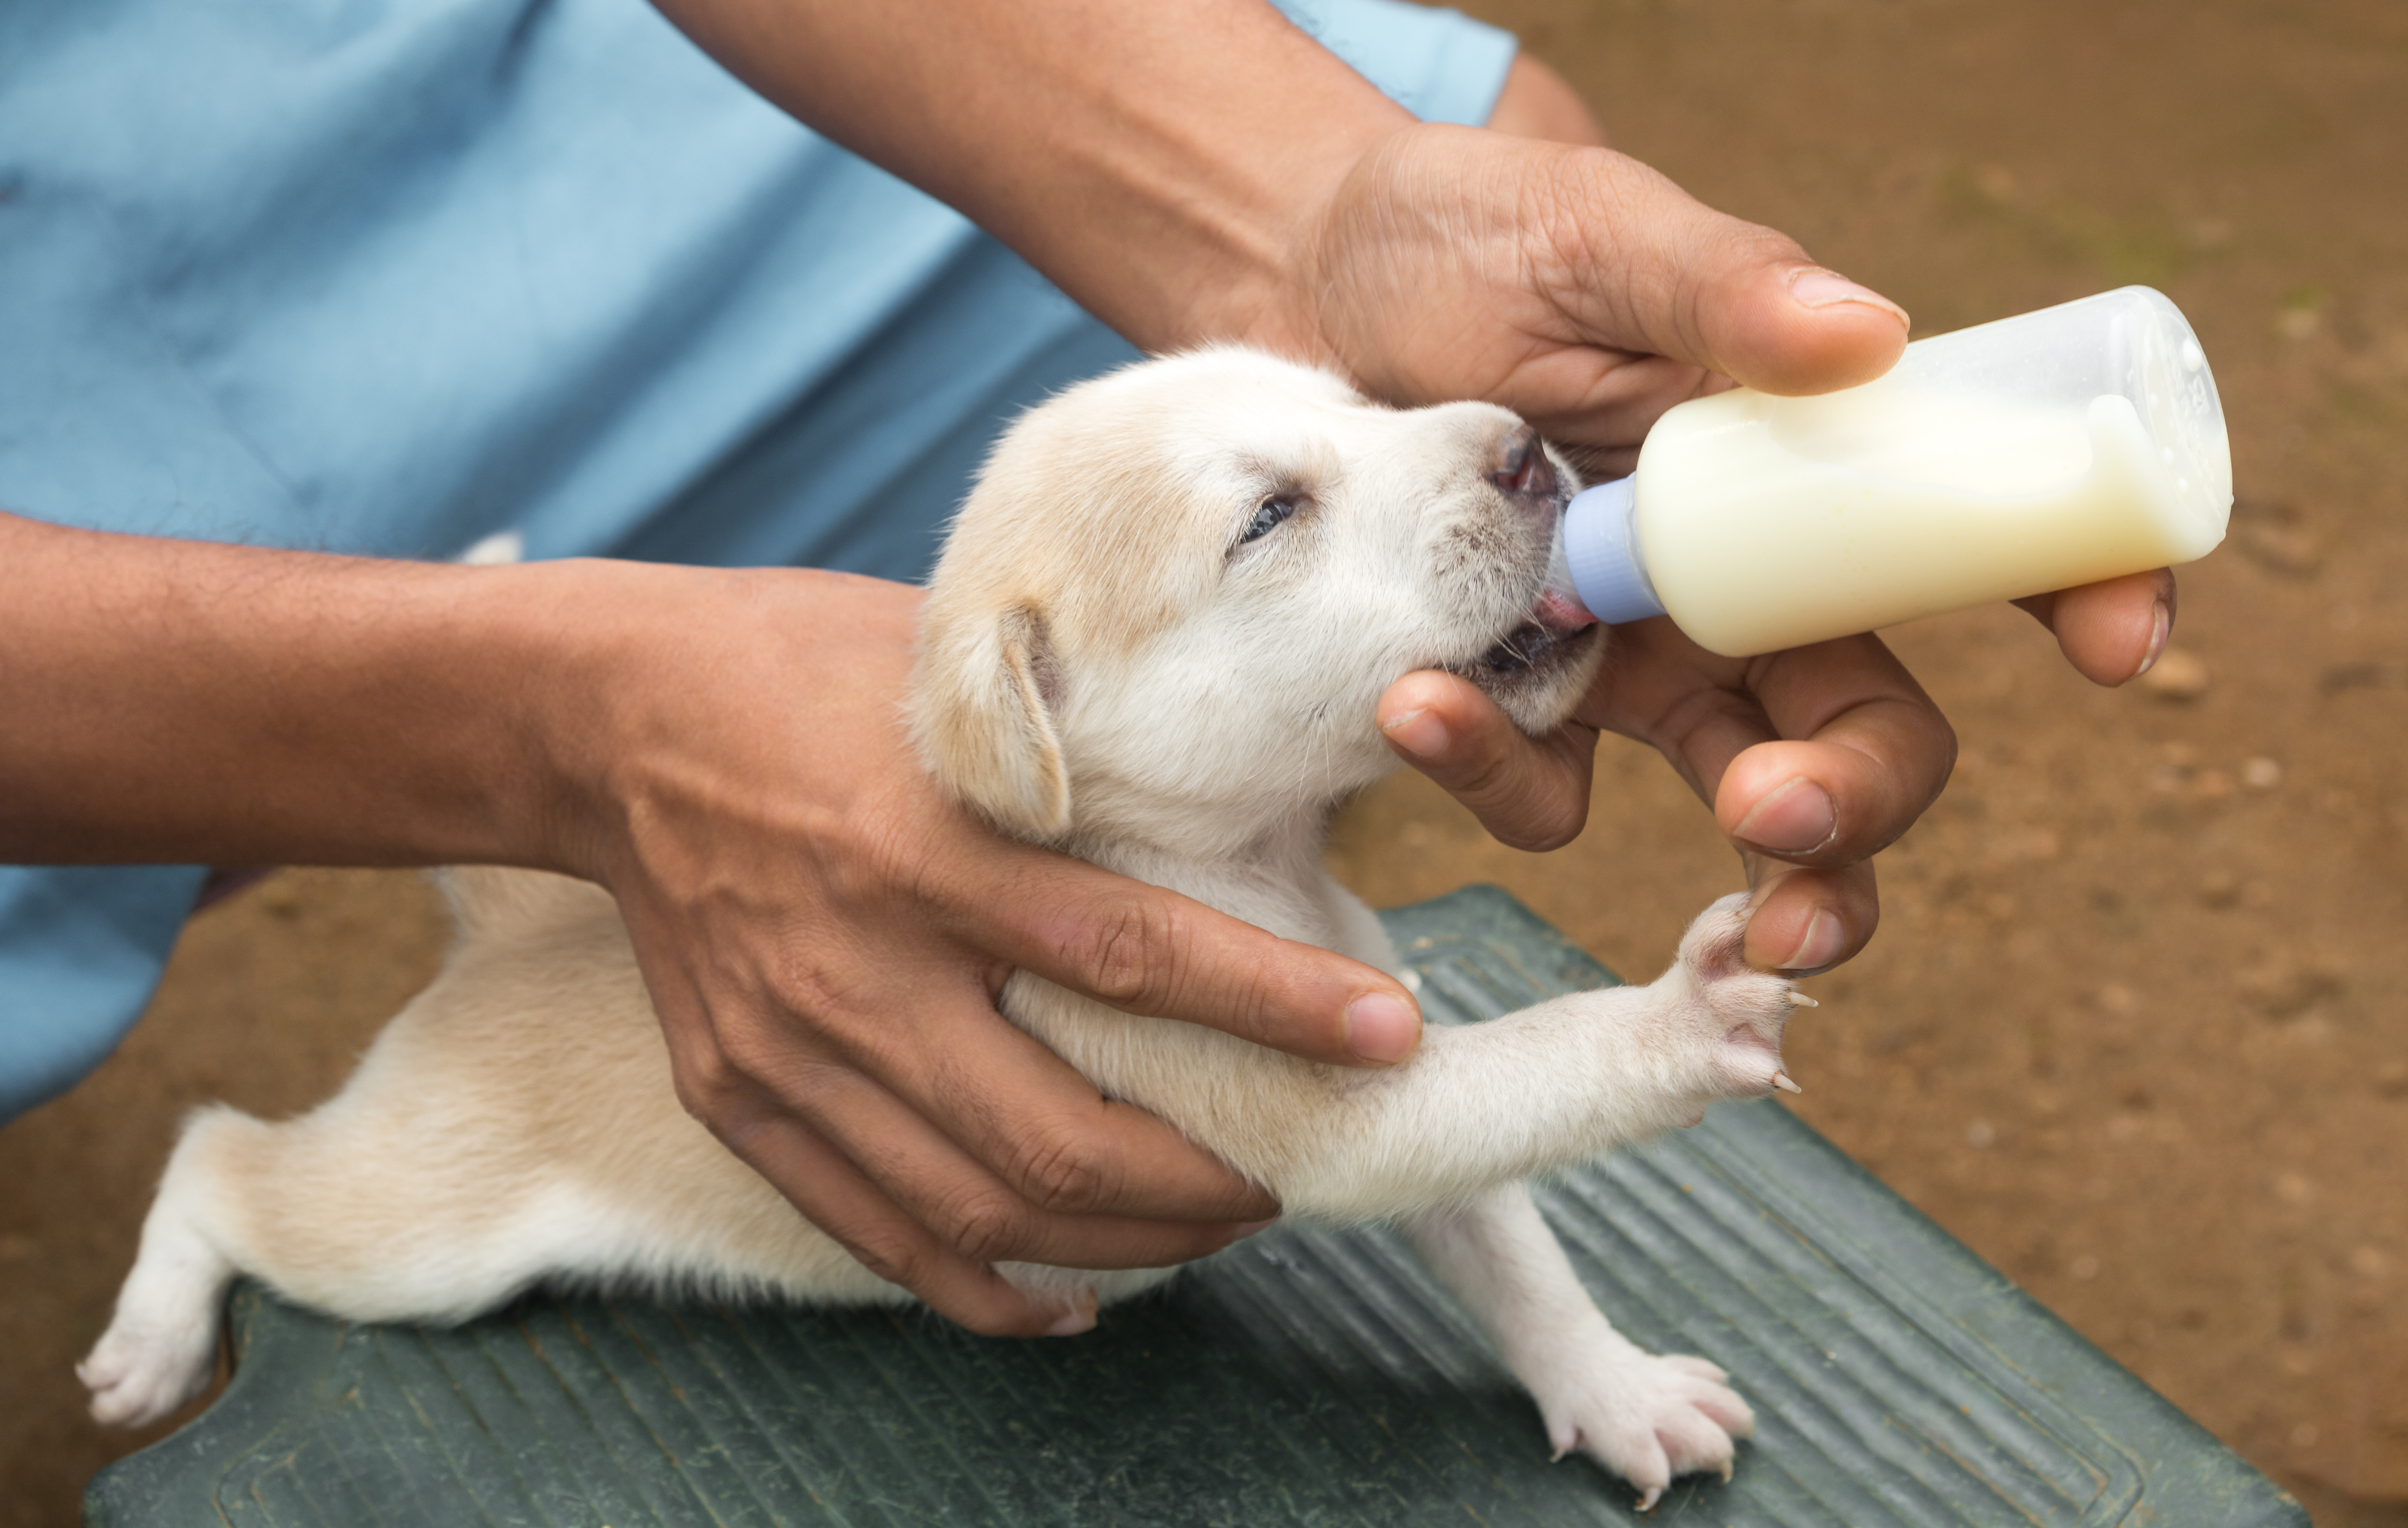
[1589, 293]
[824, 934]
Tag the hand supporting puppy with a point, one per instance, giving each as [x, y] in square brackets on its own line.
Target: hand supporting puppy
[823, 935]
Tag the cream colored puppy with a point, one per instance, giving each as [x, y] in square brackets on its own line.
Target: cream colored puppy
[1157, 640]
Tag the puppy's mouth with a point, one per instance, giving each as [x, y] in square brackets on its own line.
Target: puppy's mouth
[1555, 632]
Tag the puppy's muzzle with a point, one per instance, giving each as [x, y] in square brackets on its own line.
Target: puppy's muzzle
[1520, 469]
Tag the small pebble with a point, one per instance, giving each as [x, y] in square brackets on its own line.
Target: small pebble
[2179, 673]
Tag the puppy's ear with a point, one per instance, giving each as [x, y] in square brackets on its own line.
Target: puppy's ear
[984, 719]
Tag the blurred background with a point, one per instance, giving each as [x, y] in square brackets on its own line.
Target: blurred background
[2134, 1026]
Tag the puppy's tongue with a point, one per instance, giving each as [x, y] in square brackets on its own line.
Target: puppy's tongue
[1560, 608]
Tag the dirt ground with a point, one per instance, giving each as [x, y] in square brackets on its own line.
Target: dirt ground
[2133, 1027]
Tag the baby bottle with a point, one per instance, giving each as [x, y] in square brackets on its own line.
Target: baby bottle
[2063, 447]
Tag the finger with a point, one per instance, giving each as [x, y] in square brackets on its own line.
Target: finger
[1823, 754]
[831, 1192]
[1653, 271]
[1030, 1125]
[974, 1212]
[1148, 950]
[1529, 793]
[1845, 714]
[2111, 631]
[1857, 752]
[1035, 1119]
[842, 1201]
[1806, 919]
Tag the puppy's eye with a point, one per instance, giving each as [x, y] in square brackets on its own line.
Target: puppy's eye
[1268, 518]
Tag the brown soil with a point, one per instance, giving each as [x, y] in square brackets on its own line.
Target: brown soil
[2134, 1026]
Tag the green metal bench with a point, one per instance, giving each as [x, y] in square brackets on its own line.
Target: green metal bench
[1302, 1377]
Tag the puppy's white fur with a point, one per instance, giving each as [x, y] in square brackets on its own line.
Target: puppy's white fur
[1112, 664]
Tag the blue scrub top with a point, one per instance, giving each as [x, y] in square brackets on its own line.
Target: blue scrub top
[389, 279]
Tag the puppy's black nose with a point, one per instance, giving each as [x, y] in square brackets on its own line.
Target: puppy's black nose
[1520, 465]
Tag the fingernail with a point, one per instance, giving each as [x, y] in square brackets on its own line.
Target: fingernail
[1820, 945]
[1798, 818]
[1420, 734]
[1814, 286]
[1081, 1318]
[2161, 626]
[1381, 1028]
[1251, 1227]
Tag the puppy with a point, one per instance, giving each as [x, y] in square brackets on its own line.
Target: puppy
[1155, 640]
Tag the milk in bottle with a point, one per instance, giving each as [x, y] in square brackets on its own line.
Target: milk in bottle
[2063, 447]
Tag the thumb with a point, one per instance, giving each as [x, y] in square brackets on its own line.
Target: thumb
[1647, 268]
[1531, 794]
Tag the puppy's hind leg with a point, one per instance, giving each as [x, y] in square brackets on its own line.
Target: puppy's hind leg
[161, 1347]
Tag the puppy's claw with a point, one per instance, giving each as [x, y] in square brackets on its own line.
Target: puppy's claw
[1726, 1472]
[1655, 1495]
[1799, 999]
[1781, 1081]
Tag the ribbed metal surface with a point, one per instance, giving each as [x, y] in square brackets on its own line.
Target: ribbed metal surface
[1302, 1377]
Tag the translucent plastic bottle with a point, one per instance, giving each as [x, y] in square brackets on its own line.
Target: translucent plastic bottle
[2074, 444]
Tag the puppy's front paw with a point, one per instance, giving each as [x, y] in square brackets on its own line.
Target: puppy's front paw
[1646, 1416]
[1734, 1012]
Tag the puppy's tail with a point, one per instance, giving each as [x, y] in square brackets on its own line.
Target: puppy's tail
[490, 901]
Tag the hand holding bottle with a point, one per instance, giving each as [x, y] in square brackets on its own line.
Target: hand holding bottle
[1626, 298]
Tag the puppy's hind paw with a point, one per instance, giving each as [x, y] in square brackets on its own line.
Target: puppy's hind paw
[137, 1376]
[1650, 1418]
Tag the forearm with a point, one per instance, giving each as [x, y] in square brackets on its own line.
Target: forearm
[1197, 137]
[1517, 1096]
[182, 701]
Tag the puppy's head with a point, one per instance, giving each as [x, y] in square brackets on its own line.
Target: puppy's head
[1166, 612]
